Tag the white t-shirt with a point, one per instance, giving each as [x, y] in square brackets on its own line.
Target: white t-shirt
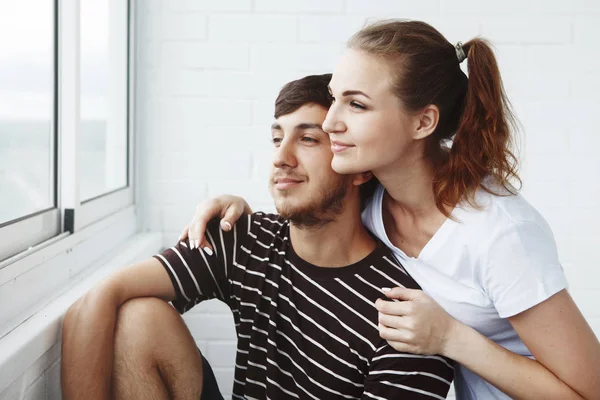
[484, 267]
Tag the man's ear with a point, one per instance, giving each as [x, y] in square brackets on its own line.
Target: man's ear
[361, 178]
[428, 121]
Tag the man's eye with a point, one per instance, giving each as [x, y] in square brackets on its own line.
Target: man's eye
[354, 104]
[331, 98]
[309, 139]
[276, 140]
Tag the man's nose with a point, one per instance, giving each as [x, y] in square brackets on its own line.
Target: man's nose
[284, 155]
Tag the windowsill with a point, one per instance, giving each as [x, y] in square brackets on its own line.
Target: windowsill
[31, 339]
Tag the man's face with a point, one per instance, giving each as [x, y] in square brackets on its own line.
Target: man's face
[304, 187]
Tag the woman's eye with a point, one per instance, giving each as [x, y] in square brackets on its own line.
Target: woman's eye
[354, 104]
[309, 139]
[331, 98]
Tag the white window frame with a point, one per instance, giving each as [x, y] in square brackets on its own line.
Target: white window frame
[24, 235]
[44, 253]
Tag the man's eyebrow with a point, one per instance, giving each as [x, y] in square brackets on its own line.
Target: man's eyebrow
[276, 126]
[307, 125]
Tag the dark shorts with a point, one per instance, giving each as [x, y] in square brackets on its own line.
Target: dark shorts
[210, 388]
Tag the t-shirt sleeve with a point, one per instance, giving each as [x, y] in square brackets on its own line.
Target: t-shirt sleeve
[521, 268]
[395, 375]
[197, 276]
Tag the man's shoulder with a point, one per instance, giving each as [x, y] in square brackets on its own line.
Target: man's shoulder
[266, 225]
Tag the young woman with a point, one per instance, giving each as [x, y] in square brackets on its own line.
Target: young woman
[494, 296]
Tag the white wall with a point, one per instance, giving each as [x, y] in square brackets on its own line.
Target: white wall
[209, 71]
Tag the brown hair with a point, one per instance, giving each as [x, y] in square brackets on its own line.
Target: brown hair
[295, 94]
[474, 112]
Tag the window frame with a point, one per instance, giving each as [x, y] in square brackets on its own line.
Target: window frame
[26, 235]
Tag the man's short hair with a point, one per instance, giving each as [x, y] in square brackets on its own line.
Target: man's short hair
[310, 89]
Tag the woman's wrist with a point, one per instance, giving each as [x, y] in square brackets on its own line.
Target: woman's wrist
[457, 337]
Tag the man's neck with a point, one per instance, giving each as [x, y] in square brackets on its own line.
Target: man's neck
[339, 243]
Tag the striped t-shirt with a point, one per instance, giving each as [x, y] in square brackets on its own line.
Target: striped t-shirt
[304, 332]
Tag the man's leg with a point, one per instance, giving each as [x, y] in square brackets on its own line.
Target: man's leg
[155, 354]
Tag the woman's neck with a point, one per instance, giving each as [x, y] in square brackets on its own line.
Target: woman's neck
[409, 183]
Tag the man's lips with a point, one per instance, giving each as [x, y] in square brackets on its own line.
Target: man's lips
[338, 147]
[286, 183]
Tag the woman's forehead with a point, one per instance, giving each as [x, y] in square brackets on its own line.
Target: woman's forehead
[358, 70]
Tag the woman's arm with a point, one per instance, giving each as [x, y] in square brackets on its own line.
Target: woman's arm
[567, 352]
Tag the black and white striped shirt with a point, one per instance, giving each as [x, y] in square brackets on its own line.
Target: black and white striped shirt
[304, 332]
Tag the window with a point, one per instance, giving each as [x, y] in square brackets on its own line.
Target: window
[103, 97]
[26, 108]
[65, 135]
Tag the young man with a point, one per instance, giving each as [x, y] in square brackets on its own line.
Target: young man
[301, 286]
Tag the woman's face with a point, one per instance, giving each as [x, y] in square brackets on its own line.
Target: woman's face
[367, 125]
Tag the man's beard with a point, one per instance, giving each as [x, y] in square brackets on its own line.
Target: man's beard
[320, 211]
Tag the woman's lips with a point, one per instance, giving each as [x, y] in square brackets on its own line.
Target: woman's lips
[338, 147]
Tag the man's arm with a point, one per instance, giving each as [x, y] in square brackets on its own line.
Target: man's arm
[88, 328]
[395, 375]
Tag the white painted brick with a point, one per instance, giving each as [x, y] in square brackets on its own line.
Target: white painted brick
[483, 7]
[587, 7]
[402, 8]
[456, 28]
[172, 191]
[252, 28]
[582, 276]
[263, 112]
[197, 113]
[205, 55]
[295, 6]
[527, 30]
[303, 57]
[202, 346]
[37, 390]
[225, 380]
[212, 327]
[222, 354]
[185, 26]
[213, 306]
[587, 30]
[558, 7]
[53, 389]
[203, 165]
[254, 192]
[587, 301]
[209, 5]
[324, 29]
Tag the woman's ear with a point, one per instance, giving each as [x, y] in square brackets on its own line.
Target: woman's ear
[361, 178]
[428, 121]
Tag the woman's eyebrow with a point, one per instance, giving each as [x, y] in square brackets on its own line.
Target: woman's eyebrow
[355, 92]
[350, 92]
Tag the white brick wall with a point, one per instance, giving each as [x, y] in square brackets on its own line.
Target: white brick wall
[208, 72]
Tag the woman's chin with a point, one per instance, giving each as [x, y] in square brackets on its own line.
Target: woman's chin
[344, 166]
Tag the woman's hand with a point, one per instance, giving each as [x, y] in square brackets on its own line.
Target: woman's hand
[229, 208]
[413, 322]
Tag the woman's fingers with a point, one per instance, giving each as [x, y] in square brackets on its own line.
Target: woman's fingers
[184, 233]
[395, 307]
[397, 335]
[233, 212]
